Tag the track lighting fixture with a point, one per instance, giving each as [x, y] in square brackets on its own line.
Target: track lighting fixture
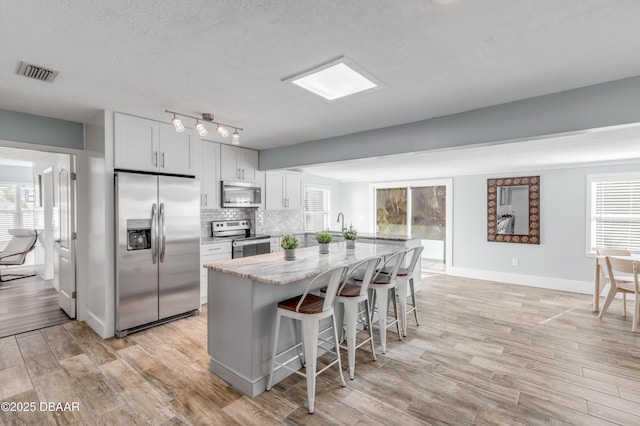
[202, 131]
[222, 131]
[221, 128]
[177, 124]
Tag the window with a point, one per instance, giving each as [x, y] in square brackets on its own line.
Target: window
[316, 208]
[16, 208]
[614, 214]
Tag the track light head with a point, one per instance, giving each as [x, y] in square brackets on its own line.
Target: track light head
[202, 131]
[235, 138]
[177, 124]
[222, 131]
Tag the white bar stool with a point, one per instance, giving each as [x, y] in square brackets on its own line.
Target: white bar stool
[382, 284]
[405, 283]
[309, 309]
[351, 295]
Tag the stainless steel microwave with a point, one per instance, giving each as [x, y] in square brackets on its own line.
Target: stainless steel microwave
[241, 194]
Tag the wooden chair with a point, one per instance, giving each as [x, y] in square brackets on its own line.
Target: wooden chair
[604, 277]
[624, 266]
[309, 309]
[15, 253]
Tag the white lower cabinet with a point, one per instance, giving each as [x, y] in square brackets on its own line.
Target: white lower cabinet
[210, 253]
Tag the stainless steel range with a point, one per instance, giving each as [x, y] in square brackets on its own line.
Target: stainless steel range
[244, 243]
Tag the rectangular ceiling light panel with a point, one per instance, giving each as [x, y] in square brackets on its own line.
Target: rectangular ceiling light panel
[335, 81]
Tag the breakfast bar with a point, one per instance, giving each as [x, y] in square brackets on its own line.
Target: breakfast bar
[243, 294]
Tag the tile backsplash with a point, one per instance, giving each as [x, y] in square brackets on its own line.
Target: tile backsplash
[283, 221]
[208, 215]
[262, 221]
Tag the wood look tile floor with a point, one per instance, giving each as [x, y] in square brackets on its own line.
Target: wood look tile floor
[28, 304]
[485, 353]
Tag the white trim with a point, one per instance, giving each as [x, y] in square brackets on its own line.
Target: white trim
[583, 287]
[97, 325]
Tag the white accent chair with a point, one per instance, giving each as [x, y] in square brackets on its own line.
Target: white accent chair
[15, 253]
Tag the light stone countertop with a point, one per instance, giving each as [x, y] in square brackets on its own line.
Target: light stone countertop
[391, 237]
[273, 269]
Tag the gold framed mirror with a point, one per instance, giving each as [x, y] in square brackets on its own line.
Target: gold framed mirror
[513, 210]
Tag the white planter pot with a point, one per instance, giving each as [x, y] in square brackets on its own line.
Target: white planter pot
[324, 248]
[289, 254]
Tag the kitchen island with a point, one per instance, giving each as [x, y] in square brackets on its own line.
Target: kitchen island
[243, 294]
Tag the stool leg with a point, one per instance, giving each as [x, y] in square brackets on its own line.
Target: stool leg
[310, 336]
[413, 300]
[401, 283]
[297, 331]
[383, 305]
[624, 305]
[373, 350]
[395, 309]
[276, 331]
[351, 317]
[335, 336]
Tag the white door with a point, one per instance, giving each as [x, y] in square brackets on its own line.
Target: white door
[65, 245]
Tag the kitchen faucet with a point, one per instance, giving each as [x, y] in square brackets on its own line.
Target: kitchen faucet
[340, 215]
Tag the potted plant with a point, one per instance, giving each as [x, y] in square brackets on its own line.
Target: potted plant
[350, 236]
[289, 244]
[324, 238]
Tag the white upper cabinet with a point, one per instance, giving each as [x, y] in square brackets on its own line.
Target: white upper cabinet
[150, 146]
[238, 163]
[284, 191]
[210, 175]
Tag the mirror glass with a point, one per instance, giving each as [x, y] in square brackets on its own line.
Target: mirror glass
[513, 210]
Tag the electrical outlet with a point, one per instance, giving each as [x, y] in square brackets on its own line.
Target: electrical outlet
[514, 261]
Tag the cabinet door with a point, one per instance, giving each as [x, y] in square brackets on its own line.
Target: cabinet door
[136, 143]
[209, 178]
[229, 163]
[176, 151]
[294, 191]
[275, 191]
[248, 164]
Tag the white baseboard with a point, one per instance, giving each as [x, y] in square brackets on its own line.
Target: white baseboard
[584, 287]
[97, 325]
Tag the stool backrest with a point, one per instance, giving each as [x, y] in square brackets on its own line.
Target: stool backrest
[393, 261]
[334, 277]
[626, 266]
[415, 254]
[369, 265]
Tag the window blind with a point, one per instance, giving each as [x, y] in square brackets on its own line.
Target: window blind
[316, 208]
[615, 213]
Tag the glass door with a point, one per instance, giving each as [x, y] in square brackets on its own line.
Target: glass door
[391, 211]
[419, 211]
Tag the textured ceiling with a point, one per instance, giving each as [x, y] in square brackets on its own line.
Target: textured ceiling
[228, 58]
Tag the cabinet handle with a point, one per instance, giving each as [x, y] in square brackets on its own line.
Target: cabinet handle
[284, 202]
[242, 174]
[238, 173]
[206, 200]
[162, 160]
[154, 158]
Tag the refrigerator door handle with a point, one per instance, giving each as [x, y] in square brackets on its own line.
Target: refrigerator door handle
[163, 233]
[154, 234]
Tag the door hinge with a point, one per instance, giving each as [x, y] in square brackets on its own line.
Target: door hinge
[73, 294]
[74, 236]
[74, 176]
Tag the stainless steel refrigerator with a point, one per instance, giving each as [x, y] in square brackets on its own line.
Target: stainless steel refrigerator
[157, 249]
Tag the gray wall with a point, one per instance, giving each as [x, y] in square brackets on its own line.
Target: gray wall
[607, 104]
[563, 203]
[20, 127]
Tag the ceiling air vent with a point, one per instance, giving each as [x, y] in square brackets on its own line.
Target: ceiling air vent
[36, 72]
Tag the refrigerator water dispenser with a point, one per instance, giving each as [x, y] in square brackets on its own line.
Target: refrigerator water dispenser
[138, 234]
